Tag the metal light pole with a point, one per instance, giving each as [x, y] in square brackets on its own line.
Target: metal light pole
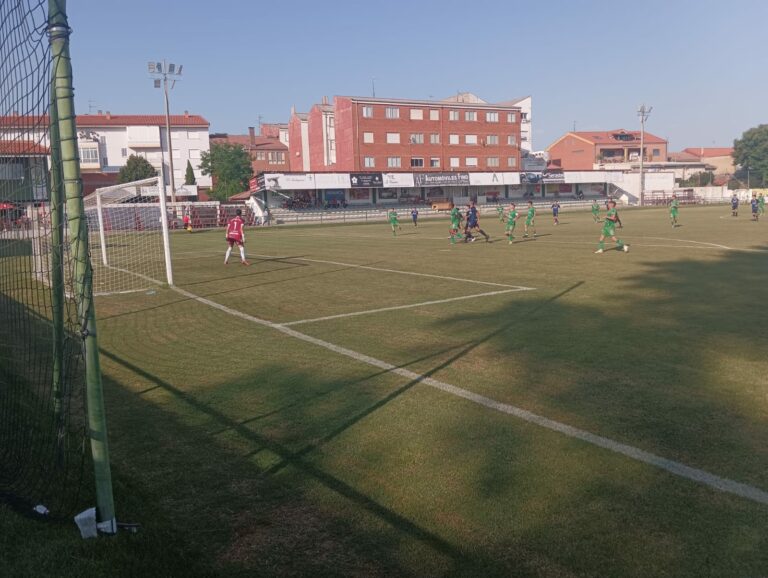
[643, 113]
[747, 177]
[162, 72]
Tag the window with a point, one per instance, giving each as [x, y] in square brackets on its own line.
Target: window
[193, 135]
[523, 116]
[434, 162]
[471, 161]
[491, 117]
[453, 139]
[454, 162]
[511, 140]
[89, 155]
[417, 114]
[194, 153]
[393, 162]
[332, 145]
[123, 153]
[470, 115]
[331, 121]
[453, 115]
[393, 138]
[511, 161]
[392, 112]
[511, 117]
[470, 139]
[176, 154]
[367, 137]
[276, 157]
[656, 152]
[492, 139]
[369, 162]
[417, 138]
[493, 161]
[417, 162]
[434, 115]
[261, 156]
[367, 112]
[434, 138]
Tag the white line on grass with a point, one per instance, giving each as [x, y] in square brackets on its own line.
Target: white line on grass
[397, 307]
[443, 277]
[713, 245]
[676, 468]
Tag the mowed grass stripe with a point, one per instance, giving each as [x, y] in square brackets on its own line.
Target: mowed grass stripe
[676, 468]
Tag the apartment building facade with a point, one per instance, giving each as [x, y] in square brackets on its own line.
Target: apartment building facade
[462, 133]
[593, 150]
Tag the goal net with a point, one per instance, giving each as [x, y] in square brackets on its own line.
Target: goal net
[128, 235]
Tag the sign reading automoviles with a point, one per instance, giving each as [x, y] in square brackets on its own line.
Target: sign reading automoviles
[366, 180]
[440, 179]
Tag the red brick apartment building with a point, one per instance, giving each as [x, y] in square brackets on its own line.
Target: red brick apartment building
[589, 150]
[267, 153]
[462, 133]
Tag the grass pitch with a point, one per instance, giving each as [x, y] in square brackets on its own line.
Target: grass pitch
[244, 448]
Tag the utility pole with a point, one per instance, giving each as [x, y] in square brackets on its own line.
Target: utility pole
[643, 113]
[162, 72]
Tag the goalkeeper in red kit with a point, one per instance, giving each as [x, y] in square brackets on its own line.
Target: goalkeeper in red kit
[236, 236]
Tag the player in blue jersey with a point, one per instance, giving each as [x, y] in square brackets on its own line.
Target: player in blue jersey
[556, 212]
[755, 207]
[415, 216]
[473, 224]
[735, 205]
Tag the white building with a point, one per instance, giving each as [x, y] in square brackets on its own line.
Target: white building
[106, 141]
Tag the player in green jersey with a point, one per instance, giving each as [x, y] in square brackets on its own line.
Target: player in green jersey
[609, 230]
[761, 204]
[674, 206]
[500, 212]
[393, 222]
[455, 229]
[530, 220]
[596, 211]
[512, 218]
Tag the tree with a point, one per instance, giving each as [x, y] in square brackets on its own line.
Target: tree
[189, 176]
[702, 179]
[230, 167]
[751, 150]
[136, 168]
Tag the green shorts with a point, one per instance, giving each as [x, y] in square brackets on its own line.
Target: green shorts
[609, 230]
[529, 222]
[673, 213]
[510, 227]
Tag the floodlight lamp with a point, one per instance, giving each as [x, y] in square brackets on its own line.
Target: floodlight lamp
[157, 83]
[151, 67]
[178, 70]
[159, 67]
[171, 68]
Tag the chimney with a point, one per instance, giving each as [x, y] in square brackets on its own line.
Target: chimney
[100, 112]
[252, 135]
[109, 115]
[186, 114]
[325, 100]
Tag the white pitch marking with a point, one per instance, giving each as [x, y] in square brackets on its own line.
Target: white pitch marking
[352, 265]
[676, 468]
[714, 245]
[397, 307]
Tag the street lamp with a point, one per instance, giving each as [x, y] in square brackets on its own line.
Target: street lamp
[643, 113]
[162, 72]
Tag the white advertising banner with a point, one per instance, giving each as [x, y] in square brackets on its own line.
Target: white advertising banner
[511, 178]
[398, 180]
[332, 180]
[289, 182]
[485, 179]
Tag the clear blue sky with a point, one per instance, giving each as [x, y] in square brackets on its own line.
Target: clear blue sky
[699, 63]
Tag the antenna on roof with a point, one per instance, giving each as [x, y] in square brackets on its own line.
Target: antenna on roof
[574, 126]
[373, 86]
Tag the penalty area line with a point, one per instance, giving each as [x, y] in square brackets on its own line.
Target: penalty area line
[398, 307]
[676, 468]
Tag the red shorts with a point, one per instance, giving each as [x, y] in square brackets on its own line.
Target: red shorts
[234, 240]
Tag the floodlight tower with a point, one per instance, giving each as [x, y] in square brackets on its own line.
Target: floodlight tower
[162, 72]
[643, 113]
